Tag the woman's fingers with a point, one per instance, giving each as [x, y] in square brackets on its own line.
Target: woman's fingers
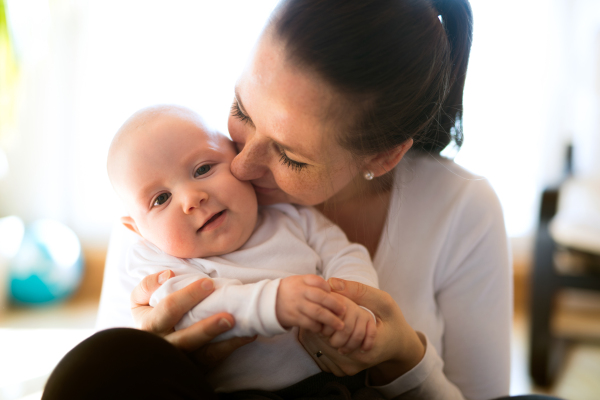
[375, 300]
[172, 308]
[143, 291]
[202, 332]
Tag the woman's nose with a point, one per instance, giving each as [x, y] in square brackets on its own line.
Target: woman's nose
[251, 161]
[194, 199]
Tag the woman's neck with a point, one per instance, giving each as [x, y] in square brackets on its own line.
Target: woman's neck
[361, 217]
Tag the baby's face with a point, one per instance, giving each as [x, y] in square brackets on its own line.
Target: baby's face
[175, 180]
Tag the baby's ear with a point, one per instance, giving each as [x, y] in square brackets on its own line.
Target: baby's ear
[130, 224]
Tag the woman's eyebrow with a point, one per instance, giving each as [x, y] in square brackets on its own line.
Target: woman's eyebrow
[283, 146]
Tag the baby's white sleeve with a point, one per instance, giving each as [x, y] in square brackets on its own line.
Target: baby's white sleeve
[252, 305]
[340, 258]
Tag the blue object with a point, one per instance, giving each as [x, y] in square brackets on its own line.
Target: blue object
[48, 265]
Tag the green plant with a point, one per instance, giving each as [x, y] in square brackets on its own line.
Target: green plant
[9, 73]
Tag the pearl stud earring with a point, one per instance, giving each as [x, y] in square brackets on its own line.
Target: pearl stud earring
[369, 175]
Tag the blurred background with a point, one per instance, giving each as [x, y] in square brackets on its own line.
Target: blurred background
[72, 71]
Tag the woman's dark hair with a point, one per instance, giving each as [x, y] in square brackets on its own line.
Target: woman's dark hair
[401, 65]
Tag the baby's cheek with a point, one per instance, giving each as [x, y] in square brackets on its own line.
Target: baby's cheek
[172, 241]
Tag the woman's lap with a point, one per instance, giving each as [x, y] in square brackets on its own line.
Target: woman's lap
[124, 363]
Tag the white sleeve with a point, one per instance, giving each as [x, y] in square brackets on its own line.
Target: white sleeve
[474, 299]
[252, 305]
[425, 381]
[339, 257]
[117, 284]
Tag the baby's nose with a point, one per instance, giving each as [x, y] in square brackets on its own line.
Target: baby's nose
[193, 200]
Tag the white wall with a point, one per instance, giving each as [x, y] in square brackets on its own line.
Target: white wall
[100, 61]
[87, 65]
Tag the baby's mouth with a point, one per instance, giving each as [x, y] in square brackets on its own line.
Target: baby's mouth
[211, 220]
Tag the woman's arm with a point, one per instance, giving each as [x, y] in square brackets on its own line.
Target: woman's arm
[397, 349]
[472, 289]
[401, 364]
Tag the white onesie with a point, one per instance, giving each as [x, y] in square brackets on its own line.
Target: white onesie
[288, 240]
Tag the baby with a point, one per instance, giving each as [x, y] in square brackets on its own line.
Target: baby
[196, 219]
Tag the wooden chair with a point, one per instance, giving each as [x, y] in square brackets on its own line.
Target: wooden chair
[569, 224]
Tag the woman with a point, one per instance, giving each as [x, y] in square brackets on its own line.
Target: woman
[346, 105]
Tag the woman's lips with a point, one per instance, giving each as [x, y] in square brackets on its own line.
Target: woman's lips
[263, 190]
[214, 222]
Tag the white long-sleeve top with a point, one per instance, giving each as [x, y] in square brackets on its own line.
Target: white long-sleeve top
[443, 257]
[287, 240]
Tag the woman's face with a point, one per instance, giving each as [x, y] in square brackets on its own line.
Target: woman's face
[284, 122]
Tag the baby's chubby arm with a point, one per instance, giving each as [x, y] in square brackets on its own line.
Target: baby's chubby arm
[254, 305]
[349, 261]
[266, 308]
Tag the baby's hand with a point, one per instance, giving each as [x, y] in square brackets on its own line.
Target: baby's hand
[359, 330]
[306, 301]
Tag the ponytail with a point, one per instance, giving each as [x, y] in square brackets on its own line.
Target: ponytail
[457, 20]
[399, 73]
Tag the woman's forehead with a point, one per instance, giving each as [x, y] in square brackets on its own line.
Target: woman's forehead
[288, 104]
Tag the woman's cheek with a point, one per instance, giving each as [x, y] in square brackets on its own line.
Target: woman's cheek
[309, 190]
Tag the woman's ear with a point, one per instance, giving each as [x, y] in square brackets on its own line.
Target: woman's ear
[384, 162]
[130, 224]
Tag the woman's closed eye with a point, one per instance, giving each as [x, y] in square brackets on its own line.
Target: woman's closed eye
[161, 199]
[237, 112]
[294, 165]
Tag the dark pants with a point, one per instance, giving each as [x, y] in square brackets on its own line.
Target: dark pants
[131, 364]
[126, 364]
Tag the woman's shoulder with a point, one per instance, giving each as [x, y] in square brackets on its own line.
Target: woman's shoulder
[439, 181]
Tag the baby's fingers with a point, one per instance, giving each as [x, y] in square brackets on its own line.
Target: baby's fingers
[321, 315]
[340, 337]
[327, 331]
[369, 336]
[316, 281]
[308, 323]
[356, 338]
[333, 303]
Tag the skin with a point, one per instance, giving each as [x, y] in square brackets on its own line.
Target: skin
[284, 122]
[174, 177]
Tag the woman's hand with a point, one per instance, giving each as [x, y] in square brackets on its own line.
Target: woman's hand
[397, 348]
[162, 319]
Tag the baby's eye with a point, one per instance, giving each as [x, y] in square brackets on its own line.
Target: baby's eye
[161, 199]
[202, 170]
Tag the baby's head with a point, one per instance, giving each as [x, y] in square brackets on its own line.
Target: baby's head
[173, 175]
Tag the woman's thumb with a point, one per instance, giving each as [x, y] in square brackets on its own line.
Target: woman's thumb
[363, 295]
